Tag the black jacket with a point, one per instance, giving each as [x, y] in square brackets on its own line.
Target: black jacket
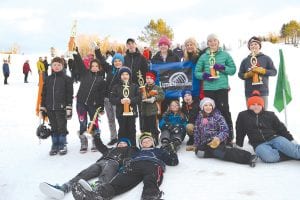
[259, 128]
[136, 61]
[57, 91]
[117, 95]
[190, 111]
[157, 59]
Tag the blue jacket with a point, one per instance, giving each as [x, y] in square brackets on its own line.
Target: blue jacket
[5, 69]
[171, 118]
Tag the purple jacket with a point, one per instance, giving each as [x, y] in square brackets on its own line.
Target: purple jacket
[208, 127]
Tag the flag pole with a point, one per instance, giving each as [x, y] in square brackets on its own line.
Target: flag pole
[285, 109]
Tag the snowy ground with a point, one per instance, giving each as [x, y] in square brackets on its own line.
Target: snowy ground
[25, 161]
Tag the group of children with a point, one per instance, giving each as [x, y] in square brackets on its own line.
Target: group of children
[110, 87]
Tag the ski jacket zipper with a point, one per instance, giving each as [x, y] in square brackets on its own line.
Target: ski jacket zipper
[53, 103]
[259, 130]
[90, 90]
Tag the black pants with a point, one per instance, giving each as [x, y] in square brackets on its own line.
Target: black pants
[58, 121]
[150, 125]
[127, 128]
[25, 77]
[5, 78]
[221, 100]
[149, 172]
[229, 154]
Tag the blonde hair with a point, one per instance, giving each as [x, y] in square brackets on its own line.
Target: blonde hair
[195, 44]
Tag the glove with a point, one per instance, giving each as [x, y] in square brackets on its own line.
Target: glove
[248, 75]
[43, 112]
[219, 67]
[259, 70]
[206, 76]
[214, 143]
[190, 129]
[69, 112]
[149, 100]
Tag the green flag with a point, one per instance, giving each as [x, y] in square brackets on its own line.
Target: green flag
[283, 95]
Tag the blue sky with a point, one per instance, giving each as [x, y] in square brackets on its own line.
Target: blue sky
[38, 25]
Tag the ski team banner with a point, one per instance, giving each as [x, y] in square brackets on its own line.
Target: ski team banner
[175, 77]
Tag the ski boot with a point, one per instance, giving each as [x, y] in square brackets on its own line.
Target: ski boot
[84, 143]
[54, 191]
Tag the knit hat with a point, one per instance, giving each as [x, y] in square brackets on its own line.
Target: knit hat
[118, 56]
[184, 92]
[124, 69]
[254, 39]
[191, 40]
[255, 99]
[212, 36]
[151, 74]
[164, 40]
[206, 100]
[123, 139]
[130, 40]
[145, 135]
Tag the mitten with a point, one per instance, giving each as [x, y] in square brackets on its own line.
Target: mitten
[149, 100]
[248, 75]
[69, 112]
[219, 67]
[43, 112]
[214, 143]
[206, 76]
[190, 129]
[259, 70]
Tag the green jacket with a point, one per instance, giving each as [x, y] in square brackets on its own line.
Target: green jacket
[150, 109]
[223, 58]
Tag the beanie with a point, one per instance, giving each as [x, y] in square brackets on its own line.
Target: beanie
[123, 139]
[255, 99]
[124, 69]
[118, 56]
[184, 92]
[164, 40]
[145, 135]
[151, 74]
[212, 36]
[206, 100]
[254, 39]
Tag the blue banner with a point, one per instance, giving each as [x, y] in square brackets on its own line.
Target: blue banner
[175, 77]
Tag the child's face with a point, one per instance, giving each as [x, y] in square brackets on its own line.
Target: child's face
[118, 63]
[188, 98]
[95, 67]
[190, 47]
[254, 46]
[122, 144]
[125, 76]
[147, 142]
[56, 66]
[163, 48]
[208, 108]
[131, 46]
[213, 44]
[174, 107]
[149, 80]
[256, 108]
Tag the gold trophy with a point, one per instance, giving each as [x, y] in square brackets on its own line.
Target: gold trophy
[127, 108]
[71, 43]
[256, 79]
[142, 85]
[212, 62]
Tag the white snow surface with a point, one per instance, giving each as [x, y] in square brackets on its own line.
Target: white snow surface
[25, 161]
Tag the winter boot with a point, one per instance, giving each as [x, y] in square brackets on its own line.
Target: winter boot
[54, 191]
[252, 160]
[94, 148]
[153, 196]
[84, 143]
[112, 142]
[54, 150]
[63, 150]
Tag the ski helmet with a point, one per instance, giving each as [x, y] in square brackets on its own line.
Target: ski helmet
[43, 132]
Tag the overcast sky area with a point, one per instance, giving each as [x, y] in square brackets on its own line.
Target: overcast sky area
[38, 25]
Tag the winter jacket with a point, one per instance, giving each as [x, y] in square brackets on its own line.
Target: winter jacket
[190, 111]
[157, 59]
[259, 128]
[40, 66]
[179, 52]
[26, 68]
[156, 155]
[57, 91]
[119, 154]
[213, 125]
[172, 119]
[264, 62]
[150, 109]
[5, 69]
[136, 61]
[203, 65]
[92, 86]
[117, 95]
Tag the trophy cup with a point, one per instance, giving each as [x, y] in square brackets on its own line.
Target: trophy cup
[142, 84]
[127, 109]
[71, 43]
[212, 62]
[256, 79]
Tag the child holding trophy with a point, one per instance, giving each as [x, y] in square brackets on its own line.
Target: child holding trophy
[151, 105]
[214, 67]
[125, 95]
[255, 69]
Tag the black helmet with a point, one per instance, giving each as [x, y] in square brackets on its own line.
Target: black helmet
[43, 132]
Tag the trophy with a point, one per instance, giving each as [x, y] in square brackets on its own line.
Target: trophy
[212, 62]
[71, 43]
[142, 84]
[127, 109]
[256, 79]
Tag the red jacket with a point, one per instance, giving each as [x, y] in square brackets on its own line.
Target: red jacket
[26, 68]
